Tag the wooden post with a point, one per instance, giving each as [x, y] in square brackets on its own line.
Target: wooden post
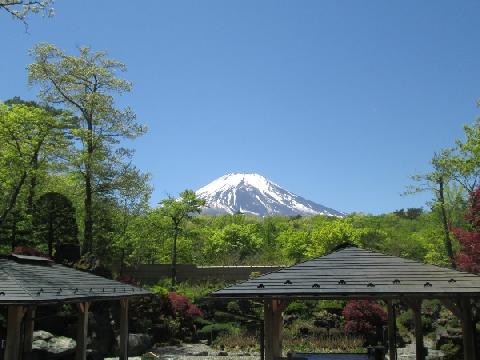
[28, 337]
[392, 329]
[82, 331]
[273, 322]
[123, 329]
[468, 328]
[14, 322]
[262, 340]
[417, 315]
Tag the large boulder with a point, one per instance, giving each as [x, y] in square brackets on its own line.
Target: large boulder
[138, 344]
[61, 345]
[42, 335]
[52, 347]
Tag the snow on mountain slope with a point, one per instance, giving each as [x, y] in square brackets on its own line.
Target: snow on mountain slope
[254, 194]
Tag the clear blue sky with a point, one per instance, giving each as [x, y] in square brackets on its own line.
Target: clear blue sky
[338, 101]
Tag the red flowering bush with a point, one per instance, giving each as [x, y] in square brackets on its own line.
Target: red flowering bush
[363, 317]
[468, 259]
[183, 307]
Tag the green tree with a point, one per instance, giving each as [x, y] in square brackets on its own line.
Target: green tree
[54, 220]
[29, 136]
[85, 85]
[132, 193]
[178, 211]
[233, 244]
[436, 182]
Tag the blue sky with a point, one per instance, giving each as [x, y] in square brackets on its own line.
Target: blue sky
[337, 101]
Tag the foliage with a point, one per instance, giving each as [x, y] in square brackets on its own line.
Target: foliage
[20, 9]
[451, 351]
[468, 258]
[54, 220]
[85, 85]
[182, 306]
[363, 317]
[233, 244]
[177, 211]
[213, 330]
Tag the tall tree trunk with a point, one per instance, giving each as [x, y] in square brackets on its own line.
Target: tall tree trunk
[174, 259]
[13, 199]
[13, 238]
[50, 230]
[33, 185]
[443, 211]
[88, 231]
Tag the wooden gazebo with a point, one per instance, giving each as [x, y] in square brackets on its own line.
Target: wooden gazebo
[353, 273]
[29, 281]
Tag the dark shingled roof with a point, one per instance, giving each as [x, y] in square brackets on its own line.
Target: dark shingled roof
[33, 280]
[357, 273]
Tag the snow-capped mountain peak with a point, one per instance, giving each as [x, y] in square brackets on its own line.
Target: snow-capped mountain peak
[255, 194]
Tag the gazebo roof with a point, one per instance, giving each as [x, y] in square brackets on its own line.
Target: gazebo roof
[357, 273]
[35, 280]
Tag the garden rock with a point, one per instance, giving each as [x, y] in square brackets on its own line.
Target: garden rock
[53, 346]
[61, 345]
[201, 353]
[42, 335]
[138, 344]
[39, 345]
[222, 353]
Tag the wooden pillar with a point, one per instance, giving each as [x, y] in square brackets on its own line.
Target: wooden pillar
[417, 317]
[262, 341]
[273, 322]
[468, 328]
[392, 329]
[14, 333]
[82, 331]
[124, 329]
[28, 336]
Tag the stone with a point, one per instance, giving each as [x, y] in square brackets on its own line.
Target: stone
[222, 353]
[138, 344]
[42, 335]
[201, 353]
[61, 345]
[39, 345]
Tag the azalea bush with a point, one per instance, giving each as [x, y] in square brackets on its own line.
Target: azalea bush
[183, 307]
[468, 259]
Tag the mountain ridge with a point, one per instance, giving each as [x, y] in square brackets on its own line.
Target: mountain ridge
[254, 194]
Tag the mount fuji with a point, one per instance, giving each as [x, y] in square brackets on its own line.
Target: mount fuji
[256, 195]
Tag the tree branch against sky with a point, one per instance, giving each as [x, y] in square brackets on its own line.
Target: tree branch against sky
[21, 9]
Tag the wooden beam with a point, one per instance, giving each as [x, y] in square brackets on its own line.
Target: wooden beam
[392, 331]
[468, 328]
[273, 322]
[14, 322]
[416, 306]
[82, 331]
[123, 329]
[28, 336]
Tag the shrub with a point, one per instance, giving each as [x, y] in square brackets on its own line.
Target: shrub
[451, 351]
[364, 317]
[298, 308]
[242, 341]
[213, 330]
[183, 307]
